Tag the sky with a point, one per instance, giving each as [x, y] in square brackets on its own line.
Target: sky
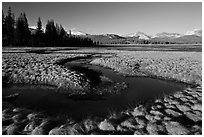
[119, 18]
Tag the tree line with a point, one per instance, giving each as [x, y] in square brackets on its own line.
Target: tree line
[16, 32]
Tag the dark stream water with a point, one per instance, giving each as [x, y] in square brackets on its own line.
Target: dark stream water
[140, 90]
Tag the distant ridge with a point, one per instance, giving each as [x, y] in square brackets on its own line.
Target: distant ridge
[74, 31]
[191, 36]
[140, 35]
[167, 35]
[196, 32]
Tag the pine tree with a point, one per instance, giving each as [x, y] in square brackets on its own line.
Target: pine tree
[63, 36]
[57, 29]
[3, 29]
[3, 23]
[62, 32]
[38, 37]
[8, 31]
[39, 27]
[22, 31]
[51, 33]
[26, 26]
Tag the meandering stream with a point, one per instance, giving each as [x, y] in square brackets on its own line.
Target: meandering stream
[140, 90]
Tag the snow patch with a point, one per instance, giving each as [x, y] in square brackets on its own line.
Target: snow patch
[196, 32]
[140, 35]
[74, 31]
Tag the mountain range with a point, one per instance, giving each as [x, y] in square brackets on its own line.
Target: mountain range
[191, 36]
[197, 32]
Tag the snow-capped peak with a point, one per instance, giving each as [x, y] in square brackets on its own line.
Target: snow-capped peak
[74, 31]
[166, 35]
[141, 35]
[196, 32]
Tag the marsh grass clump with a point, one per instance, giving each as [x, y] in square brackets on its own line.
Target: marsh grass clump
[178, 66]
[29, 68]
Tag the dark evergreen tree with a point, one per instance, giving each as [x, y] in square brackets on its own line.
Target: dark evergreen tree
[22, 35]
[3, 23]
[3, 29]
[51, 33]
[39, 27]
[58, 39]
[37, 38]
[8, 29]
[27, 31]
[62, 36]
[62, 32]
[57, 29]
